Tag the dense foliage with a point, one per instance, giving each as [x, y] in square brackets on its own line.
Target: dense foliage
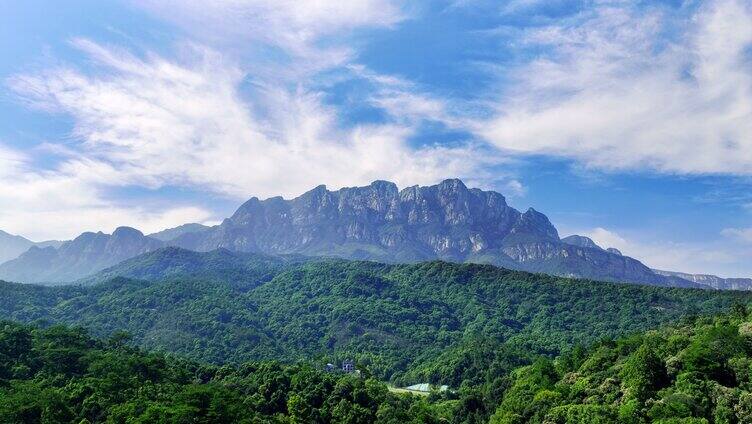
[60, 375]
[699, 372]
[435, 321]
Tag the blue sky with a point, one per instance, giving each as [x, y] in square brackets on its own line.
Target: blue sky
[627, 121]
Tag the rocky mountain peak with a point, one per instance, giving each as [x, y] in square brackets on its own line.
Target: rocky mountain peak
[453, 185]
[534, 223]
[580, 241]
[386, 187]
[127, 232]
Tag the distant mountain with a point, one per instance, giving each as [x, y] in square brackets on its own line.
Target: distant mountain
[446, 221]
[711, 280]
[172, 233]
[11, 246]
[237, 268]
[86, 254]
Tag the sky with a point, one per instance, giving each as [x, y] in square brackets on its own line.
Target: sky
[626, 121]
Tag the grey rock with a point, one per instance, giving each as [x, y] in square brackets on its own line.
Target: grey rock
[446, 221]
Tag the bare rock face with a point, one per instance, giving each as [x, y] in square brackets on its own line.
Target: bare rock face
[447, 221]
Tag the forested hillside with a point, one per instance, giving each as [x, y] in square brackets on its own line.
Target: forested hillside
[61, 375]
[696, 373]
[436, 321]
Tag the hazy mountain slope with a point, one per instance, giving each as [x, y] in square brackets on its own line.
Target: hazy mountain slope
[446, 221]
[12, 246]
[236, 268]
[172, 233]
[711, 280]
[86, 254]
[391, 316]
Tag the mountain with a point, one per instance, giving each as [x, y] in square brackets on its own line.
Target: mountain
[378, 222]
[86, 254]
[238, 268]
[614, 250]
[447, 221]
[713, 281]
[405, 321]
[11, 246]
[172, 233]
[581, 241]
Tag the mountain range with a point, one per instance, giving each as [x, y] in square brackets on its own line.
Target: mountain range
[379, 222]
[714, 281]
[77, 258]
[11, 246]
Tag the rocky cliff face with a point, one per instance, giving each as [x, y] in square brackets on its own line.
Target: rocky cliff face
[86, 254]
[445, 221]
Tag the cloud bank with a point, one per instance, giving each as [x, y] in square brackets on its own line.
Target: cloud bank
[623, 88]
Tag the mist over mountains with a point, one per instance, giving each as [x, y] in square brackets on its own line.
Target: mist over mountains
[379, 222]
[77, 258]
[11, 246]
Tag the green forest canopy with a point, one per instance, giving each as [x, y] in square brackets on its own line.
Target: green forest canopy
[438, 322]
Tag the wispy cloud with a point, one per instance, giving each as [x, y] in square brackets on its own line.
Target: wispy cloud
[70, 200]
[617, 89]
[706, 257]
[153, 122]
[311, 34]
[742, 234]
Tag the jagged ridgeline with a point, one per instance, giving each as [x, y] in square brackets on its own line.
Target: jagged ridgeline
[407, 323]
[447, 221]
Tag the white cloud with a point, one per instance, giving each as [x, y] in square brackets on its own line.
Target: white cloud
[297, 28]
[702, 258]
[741, 234]
[65, 202]
[222, 120]
[152, 122]
[155, 123]
[404, 101]
[619, 91]
[515, 188]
